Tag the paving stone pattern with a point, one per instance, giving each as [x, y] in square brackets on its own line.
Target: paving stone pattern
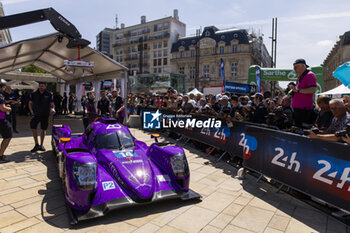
[31, 198]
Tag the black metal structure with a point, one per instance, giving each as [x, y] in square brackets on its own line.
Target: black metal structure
[60, 23]
[196, 77]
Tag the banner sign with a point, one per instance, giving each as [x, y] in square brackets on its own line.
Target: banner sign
[315, 167]
[257, 74]
[227, 138]
[236, 87]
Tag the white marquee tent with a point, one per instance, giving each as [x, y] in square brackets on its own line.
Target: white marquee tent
[337, 92]
[195, 92]
[48, 53]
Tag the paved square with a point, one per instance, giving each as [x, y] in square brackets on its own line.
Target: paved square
[31, 198]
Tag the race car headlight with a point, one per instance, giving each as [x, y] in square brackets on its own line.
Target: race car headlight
[85, 175]
[179, 165]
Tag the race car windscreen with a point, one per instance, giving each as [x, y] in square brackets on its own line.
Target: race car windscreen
[119, 140]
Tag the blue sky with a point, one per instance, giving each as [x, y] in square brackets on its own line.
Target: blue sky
[306, 29]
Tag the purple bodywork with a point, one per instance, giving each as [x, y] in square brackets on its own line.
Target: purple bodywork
[97, 180]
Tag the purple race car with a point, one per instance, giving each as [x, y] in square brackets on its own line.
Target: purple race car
[107, 168]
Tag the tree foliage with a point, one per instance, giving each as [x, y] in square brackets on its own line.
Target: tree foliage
[33, 69]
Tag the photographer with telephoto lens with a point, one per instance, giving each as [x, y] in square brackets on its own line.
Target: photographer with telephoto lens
[340, 122]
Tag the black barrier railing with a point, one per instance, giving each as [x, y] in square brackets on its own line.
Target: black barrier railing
[226, 138]
[317, 168]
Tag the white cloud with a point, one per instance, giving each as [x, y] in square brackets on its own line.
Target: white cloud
[316, 17]
[234, 11]
[324, 43]
[8, 2]
[291, 19]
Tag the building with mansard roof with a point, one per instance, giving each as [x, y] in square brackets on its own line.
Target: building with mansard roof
[238, 49]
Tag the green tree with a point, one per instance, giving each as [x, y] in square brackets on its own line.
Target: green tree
[33, 69]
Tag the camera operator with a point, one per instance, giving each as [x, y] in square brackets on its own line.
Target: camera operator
[278, 118]
[339, 122]
[324, 115]
[286, 102]
[261, 110]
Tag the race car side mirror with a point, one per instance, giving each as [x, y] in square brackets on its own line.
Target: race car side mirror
[64, 140]
[155, 136]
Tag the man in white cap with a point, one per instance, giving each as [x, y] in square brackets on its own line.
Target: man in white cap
[225, 107]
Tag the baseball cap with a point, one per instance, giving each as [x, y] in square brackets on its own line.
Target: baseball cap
[300, 61]
[218, 97]
[224, 97]
[258, 94]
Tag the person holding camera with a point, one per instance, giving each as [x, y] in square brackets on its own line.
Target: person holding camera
[324, 115]
[340, 122]
[260, 111]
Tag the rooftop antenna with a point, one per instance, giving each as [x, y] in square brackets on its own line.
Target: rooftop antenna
[116, 20]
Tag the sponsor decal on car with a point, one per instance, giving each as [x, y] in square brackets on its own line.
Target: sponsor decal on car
[108, 185]
[125, 154]
[132, 161]
[115, 126]
[163, 178]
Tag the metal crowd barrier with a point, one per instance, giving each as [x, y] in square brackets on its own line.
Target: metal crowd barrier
[317, 168]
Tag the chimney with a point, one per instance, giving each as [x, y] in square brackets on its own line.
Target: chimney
[143, 19]
[176, 14]
[122, 26]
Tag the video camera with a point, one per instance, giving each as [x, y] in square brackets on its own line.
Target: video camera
[344, 132]
[314, 130]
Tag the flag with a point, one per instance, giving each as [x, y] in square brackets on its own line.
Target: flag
[257, 73]
[343, 74]
[222, 74]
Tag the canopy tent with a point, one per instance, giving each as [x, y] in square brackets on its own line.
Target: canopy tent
[26, 76]
[16, 84]
[337, 92]
[49, 52]
[195, 92]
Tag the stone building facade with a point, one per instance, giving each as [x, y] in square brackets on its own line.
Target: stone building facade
[236, 47]
[143, 48]
[339, 54]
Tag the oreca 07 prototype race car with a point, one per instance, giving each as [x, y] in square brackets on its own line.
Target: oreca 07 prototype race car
[107, 168]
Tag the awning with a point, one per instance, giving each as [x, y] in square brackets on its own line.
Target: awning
[48, 54]
[337, 92]
[26, 76]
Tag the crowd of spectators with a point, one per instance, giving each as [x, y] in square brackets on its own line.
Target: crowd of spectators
[329, 115]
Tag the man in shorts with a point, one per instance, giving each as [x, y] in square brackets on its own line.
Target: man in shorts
[40, 106]
[5, 126]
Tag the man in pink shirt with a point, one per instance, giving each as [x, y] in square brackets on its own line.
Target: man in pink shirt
[302, 102]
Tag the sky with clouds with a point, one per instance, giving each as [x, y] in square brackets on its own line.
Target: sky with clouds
[306, 29]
